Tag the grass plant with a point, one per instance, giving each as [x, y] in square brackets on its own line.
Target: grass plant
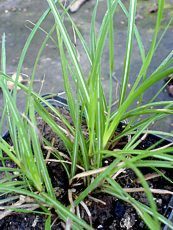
[30, 176]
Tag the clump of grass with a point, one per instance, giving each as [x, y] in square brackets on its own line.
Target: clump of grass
[88, 102]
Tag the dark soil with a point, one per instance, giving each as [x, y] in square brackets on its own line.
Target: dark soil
[116, 214]
[22, 222]
[107, 211]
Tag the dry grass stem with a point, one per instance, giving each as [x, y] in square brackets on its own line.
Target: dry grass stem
[89, 173]
[149, 176]
[72, 209]
[19, 204]
[42, 84]
[63, 161]
[87, 211]
[96, 200]
[50, 150]
[157, 191]
[118, 173]
[163, 147]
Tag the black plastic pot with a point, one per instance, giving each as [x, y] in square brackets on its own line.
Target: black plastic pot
[169, 213]
[58, 101]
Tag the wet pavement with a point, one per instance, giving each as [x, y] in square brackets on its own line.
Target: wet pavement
[14, 16]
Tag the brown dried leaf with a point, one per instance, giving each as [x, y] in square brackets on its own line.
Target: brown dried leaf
[11, 84]
[76, 5]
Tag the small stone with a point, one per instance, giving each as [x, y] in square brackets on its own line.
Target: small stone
[100, 226]
[126, 223]
[13, 9]
[159, 201]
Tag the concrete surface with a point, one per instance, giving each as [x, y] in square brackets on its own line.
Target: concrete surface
[13, 20]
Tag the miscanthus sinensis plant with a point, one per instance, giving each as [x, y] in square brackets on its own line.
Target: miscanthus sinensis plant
[30, 177]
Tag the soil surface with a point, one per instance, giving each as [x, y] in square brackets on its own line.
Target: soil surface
[22, 222]
[14, 21]
[107, 212]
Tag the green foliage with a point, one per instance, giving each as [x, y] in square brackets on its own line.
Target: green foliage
[88, 104]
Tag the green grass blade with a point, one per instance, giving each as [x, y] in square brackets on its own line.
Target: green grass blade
[131, 98]
[49, 120]
[129, 44]
[71, 51]
[93, 38]
[137, 35]
[76, 142]
[38, 152]
[151, 51]
[26, 47]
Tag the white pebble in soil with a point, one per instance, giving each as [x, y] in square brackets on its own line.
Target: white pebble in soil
[127, 221]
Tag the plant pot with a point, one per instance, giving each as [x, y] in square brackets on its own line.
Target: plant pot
[57, 101]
